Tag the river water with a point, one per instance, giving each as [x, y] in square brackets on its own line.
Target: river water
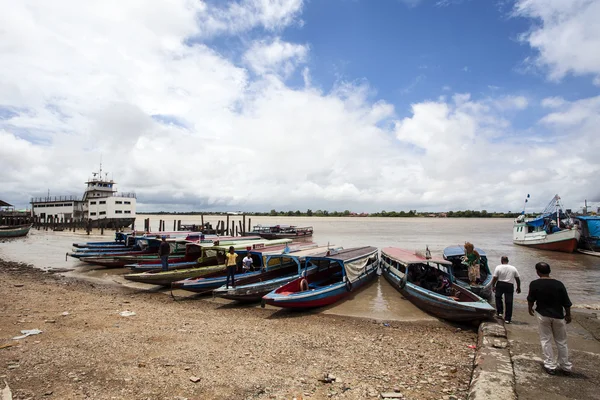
[580, 273]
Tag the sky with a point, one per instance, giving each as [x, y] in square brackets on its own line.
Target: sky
[254, 105]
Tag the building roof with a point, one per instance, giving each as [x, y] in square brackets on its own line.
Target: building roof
[5, 204]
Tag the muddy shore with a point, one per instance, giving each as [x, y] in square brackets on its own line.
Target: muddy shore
[200, 349]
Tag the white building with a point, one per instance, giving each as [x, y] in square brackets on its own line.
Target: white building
[100, 203]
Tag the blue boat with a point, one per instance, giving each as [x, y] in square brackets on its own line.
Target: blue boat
[589, 242]
[279, 270]
[455, 255]
[328, 279]
[408, 272]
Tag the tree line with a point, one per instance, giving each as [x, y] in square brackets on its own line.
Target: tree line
[348, 213]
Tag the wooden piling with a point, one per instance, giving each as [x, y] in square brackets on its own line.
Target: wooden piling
[244, 225]
[202, 220]
[227, 225]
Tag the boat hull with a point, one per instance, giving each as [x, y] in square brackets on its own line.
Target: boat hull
[451, 311]
[565, 245]
[168, 277]
[17, 231]
[319, 297]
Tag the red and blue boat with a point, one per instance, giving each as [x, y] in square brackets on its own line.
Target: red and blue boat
[327, 279]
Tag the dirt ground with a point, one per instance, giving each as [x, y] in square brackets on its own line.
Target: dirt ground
[199, 349]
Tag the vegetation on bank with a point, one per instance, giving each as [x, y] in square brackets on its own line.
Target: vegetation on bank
[348, 213]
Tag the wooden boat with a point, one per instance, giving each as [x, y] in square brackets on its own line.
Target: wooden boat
[216, 253]
[401, 269]
[142, 246]
[589, 242]
[217, 279]
[279, 269]
[14, 231]
[328, 279]
[455, 255]
[193, 253]
[178, 248]
[281, 231]
[554, 229]
[589, 252]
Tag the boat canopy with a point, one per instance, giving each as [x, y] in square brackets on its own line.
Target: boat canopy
[353, 260]
[539, 221]
[593, 224]
[453, 251]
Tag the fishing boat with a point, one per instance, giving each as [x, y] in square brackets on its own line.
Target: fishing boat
[142, 246]
[455, 254]
[215, 253]
[14, 231]
[279, 269]
[405, 271]
[589, 242]
[554, 229]
[329, 278]
[178, 249]
[281, 231]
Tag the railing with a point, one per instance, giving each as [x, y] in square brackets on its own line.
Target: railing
[54, 198]
[128, 194]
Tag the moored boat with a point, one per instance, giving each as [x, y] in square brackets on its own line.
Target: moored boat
[282, 232]
[14, 231]
[405, 271]
[455, 255]
[589, 242]
[279, 269]
[216, 255]
[553, 229]
[328, 279]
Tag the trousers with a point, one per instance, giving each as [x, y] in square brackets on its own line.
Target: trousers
[554, 329]
[231, 273]
[165, 262]
[506, 289]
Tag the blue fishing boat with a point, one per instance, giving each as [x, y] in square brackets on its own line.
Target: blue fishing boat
[589, 242]
[455, 254]
[279, 269]
[328, 279]
[409, 273]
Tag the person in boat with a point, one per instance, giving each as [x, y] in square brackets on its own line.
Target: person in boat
[430, 281]
[163, 251]
[553, 313]
[472, 260]
[248, 263]
[504, 278]
[231, 265]
[443, 284]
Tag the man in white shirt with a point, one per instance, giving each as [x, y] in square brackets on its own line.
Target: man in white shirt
[247, 263]
[503, 284]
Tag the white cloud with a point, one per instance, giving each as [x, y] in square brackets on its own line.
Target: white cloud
[242, 15]
[184, 125]
[567, 37]
[275, 56]
[553, 102]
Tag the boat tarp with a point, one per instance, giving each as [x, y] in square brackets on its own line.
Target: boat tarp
[540, 221]
[453, 251]
[356, 268]
[593, 224]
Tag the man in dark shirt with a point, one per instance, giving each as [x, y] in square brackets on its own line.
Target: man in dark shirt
[164, 251]
[553, 312]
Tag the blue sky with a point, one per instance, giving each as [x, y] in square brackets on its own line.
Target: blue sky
[361, 105]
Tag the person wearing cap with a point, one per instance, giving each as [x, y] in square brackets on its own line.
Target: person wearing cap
[503, 284]
[163, 251]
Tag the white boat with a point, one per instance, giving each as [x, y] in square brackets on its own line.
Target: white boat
[100, 204]
[553, 229]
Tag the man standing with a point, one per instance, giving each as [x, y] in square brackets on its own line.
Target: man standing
[231, 265]
[163, 251]
[503, 285]
[553, 312]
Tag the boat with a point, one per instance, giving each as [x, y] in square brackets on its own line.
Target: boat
[280, 269]
[14, 231]
[329, 278]
[178, 249]
[142, 245]
[455, 255]
[401, 267]
[100, 205]
[216, 255]
[281, 231]
[554, 229]
[589, 242]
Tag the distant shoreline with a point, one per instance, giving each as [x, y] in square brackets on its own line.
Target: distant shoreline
[391, 214]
